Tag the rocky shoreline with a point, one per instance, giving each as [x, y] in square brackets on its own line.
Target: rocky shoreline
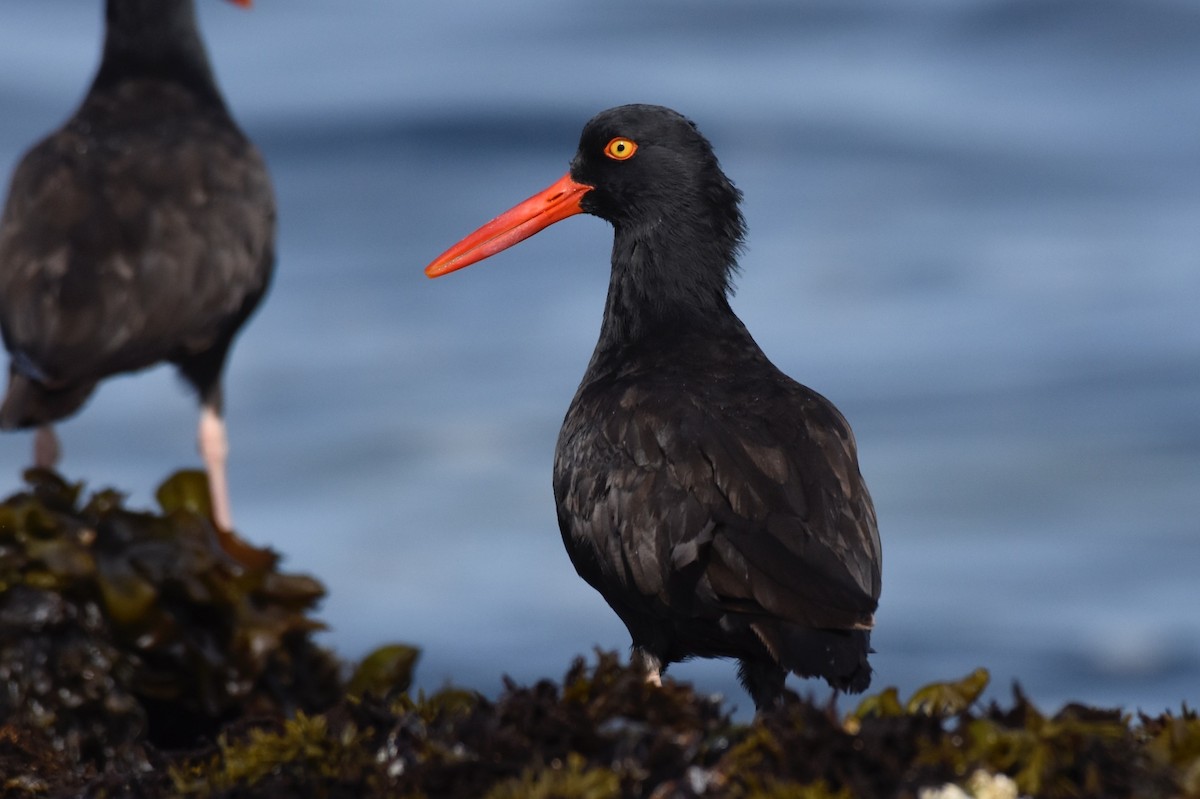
[138, 660]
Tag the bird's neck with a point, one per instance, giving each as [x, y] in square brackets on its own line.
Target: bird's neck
[155, 39]
[667, 283]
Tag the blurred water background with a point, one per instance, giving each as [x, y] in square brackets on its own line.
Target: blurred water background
[974, 225]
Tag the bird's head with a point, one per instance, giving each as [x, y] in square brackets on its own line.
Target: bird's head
[639, 167]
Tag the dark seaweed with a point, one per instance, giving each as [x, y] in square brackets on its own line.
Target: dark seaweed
[139, 660]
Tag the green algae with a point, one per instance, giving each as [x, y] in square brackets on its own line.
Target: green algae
[385, 672]
[303, 753]
[949, 698]
[572, 778]
[1077, 751]
[1173, 742]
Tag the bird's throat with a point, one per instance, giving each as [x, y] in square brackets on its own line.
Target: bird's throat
[664, 281]
[158, 39]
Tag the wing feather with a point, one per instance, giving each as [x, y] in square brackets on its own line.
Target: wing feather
[755, 508]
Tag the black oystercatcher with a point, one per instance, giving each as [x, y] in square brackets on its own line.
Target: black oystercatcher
[141, 231]
[714, 502]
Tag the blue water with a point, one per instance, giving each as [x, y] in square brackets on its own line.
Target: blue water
[974, 224]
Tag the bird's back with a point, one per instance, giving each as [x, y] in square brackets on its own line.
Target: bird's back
[140, 231]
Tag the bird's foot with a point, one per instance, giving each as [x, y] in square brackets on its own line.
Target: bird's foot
[649, 664]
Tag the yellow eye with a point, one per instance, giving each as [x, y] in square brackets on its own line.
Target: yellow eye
[620, 148]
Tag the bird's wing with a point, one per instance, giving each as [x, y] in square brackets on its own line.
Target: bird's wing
[118, 252]
[755, 508]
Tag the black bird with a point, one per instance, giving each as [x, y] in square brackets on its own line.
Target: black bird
[140, 231]
[715, 503]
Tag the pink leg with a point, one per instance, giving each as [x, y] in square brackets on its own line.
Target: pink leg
[46, 450]
[214, 448]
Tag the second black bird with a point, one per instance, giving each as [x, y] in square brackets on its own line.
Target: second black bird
[141, 231]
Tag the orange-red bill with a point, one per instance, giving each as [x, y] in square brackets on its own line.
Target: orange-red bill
[517, 224]
[242, 3]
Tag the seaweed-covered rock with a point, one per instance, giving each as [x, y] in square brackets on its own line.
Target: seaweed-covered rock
[604, 733]
[29, 762]
[138, 659]
[1078, 751]
[121, 629]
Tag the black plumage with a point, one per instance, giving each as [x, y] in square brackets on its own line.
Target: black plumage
[714, 502]
[139, 232]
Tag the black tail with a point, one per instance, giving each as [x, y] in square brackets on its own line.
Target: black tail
[28, 403]
[837, 656]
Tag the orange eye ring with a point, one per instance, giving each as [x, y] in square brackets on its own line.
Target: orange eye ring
[620, 148]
